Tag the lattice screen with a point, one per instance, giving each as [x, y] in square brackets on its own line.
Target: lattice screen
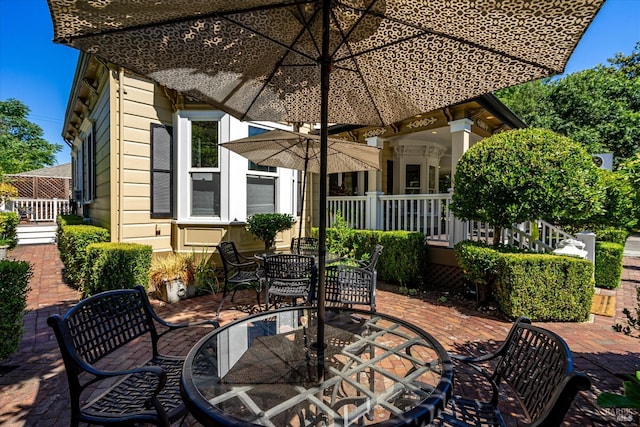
[445, 275]
[38, 187]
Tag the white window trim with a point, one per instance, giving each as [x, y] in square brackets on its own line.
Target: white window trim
[183, 155]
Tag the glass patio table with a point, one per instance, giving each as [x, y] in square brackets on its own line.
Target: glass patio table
[263, 370]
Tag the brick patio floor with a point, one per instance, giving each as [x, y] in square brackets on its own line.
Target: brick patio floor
[35, 391]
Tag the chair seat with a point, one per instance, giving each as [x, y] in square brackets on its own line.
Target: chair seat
[289, 289]
[243, 277]
[470, 412]
[131, 394]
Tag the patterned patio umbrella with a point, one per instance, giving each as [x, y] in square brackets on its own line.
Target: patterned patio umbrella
[367, 62]
[293, 150]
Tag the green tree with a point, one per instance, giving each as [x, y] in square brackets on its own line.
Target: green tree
[527, 174]
[630, 171]
[599, 108]
[22, 146]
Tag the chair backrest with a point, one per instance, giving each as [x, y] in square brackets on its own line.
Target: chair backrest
[99, 325]
[373, 260]
[350, 285]
[304, 245]
[229, 255]
[284, 267]
[538, 366]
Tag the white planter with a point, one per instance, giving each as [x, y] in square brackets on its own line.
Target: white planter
[3, 252]
[175, 290]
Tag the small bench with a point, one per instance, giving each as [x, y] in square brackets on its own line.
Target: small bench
[537, 365]
[95, 328]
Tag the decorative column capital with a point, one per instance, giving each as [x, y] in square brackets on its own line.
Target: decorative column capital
[461, 125]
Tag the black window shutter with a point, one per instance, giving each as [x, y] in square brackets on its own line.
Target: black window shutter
[161, 171]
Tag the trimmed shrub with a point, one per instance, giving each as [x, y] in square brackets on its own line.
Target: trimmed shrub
[479, 263]
[116, 266]
[403, 259]
[9, 229]
[610, 234]
[64, 220]
[14, 286]
[73, 249]
[608, 264]
[545, 287]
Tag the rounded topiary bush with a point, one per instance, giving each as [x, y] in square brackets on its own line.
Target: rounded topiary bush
[527, 174]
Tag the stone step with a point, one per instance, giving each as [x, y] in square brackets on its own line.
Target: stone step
[36, 235]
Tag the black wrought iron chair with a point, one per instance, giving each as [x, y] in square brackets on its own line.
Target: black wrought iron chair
[288, 276]
[239, 272]
[304, 245]
[116, 320]
[537, 365]
[353, 285]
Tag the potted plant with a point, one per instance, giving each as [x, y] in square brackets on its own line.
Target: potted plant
[172, 276]
[265, 226]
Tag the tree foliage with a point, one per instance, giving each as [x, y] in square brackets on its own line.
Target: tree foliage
[599, 107]
[527, 174]
[22, 146]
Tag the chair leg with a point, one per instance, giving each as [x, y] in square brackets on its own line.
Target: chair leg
[224, 295]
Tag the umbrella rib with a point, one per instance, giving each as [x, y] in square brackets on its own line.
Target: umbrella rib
[279, 63]
[358, 71]
[428, 31]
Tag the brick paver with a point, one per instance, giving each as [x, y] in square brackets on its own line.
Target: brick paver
[35, 392]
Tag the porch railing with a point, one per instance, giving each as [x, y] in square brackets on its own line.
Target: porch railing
[41, 210]
[430, 214]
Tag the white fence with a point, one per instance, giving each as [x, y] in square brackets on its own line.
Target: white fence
[41, 210]
[430, 214]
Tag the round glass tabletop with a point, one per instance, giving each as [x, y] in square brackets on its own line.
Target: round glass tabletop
[264, 370]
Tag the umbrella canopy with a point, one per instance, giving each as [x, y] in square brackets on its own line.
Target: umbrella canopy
[293, 150]
[368, 62]
[389, 59]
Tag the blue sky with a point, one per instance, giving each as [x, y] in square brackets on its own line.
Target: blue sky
[39, 73]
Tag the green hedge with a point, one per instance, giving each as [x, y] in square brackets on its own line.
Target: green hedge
[73, 243]
[116, 266]
[545, 287]
[480, 264]
[14, 286]
[542, 287]
[403, 259]
[615, 235]
[64, 220]
[9, 228]
[608, 264]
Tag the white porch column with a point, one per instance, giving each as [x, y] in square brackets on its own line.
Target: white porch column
[373, 214]
[589, 240]
[460, 143]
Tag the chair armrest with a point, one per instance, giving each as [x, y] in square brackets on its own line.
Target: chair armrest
[173, 326]
[102, 375]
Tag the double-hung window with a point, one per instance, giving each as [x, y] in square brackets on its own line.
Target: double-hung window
[84, 180]
[204, 170]
[261, 184]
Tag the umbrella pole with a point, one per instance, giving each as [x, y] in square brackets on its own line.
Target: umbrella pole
[325, 64]
[304, 189]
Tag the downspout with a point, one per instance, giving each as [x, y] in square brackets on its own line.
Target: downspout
[120, 185]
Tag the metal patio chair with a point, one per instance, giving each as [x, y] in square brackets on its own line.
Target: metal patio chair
[537, 365]
[288, 276]
[353, 285]
[304, 245]
[239, 272]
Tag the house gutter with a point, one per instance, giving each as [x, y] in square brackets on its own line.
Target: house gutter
[491, 103]
[81, 68]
